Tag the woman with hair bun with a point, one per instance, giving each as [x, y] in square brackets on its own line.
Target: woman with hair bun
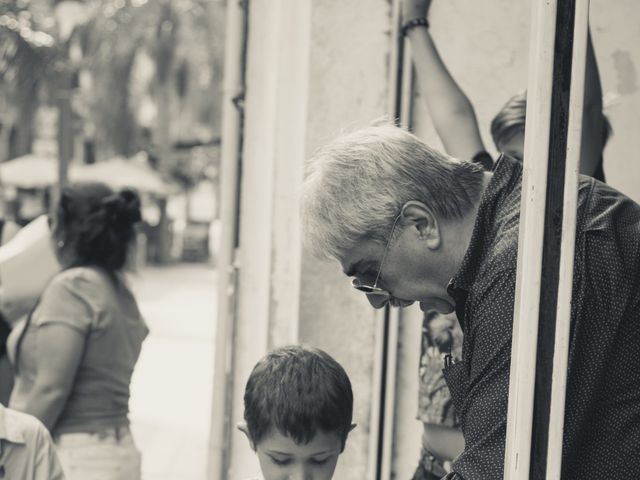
[75, 353]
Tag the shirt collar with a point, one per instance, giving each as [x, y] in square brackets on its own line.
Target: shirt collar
[507, 171]
[9, 430]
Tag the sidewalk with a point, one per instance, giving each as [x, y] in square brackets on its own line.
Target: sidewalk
[171, 386]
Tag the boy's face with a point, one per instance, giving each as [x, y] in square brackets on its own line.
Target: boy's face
[282, 459]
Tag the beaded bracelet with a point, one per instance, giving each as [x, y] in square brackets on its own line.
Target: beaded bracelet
[414, 22]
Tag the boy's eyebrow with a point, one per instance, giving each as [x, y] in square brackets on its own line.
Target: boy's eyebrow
[286, 454]
[331, 450]
[276, 452]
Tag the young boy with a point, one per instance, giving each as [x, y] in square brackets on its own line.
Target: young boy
[298, 406]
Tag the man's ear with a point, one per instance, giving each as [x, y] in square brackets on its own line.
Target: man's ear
[425, 222]
[242, 426]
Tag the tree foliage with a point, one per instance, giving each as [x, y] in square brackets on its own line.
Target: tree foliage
[112, 36]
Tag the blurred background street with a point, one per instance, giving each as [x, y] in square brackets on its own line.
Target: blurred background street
[171, 386]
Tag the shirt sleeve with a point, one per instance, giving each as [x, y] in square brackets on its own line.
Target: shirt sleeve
[68, 300]
[488, 357]
[47, 464]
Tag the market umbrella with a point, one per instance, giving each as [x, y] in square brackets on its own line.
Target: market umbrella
[29, 171]
[120, 173]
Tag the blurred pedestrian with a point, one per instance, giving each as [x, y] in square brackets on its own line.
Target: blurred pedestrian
[75, 353]
[7, 230]
[442, 440]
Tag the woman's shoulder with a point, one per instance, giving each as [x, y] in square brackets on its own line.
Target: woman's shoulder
[79, 277]
[87, 284]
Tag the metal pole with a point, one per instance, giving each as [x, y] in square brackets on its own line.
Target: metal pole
[233, 92]
[387, 321]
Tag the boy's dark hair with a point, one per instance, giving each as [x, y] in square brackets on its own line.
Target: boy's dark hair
[298, 390]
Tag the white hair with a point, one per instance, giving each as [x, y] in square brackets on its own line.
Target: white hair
[357, 185]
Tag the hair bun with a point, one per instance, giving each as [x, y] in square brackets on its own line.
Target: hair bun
[123, 206]
[130, 205]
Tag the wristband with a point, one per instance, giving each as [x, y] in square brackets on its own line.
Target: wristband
[414, 22]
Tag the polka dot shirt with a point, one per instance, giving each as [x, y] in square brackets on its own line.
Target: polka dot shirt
[602, 420]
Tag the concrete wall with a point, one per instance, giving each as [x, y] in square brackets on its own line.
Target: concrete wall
[348, 86]
[616, 33]
[486, 46]
[314, 68]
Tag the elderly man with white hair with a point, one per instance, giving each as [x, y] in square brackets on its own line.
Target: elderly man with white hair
[410, 224]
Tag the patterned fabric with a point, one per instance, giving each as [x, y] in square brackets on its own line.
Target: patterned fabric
[602, 420]
[441, 335]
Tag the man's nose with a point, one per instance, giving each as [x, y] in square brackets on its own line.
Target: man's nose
[378, 301]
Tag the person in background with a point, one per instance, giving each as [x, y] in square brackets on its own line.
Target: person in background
[75, 353]
[6, 372]
[442, 440]
[298, 407]
[7, 230]
[454, 117]
[26, 449]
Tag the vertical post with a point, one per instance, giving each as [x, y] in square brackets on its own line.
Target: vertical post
[65, 127]
[398, 100]
[526, 306]
[231, 133]
[541, 229]
[553, 230]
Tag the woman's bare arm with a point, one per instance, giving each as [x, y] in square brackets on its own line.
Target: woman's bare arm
[453, 115]
[592, 117]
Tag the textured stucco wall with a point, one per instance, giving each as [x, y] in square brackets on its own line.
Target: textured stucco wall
[616, 33]
[348, 87]
[313, 69]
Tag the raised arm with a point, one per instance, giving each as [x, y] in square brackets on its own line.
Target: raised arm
[592, 118]
[453, 115]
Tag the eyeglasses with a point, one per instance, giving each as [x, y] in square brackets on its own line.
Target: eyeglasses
[375, 289]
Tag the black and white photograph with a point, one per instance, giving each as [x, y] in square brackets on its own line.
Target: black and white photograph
[319, 239]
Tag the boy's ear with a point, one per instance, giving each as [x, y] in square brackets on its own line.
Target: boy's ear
[242, 426]
[353, 425]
